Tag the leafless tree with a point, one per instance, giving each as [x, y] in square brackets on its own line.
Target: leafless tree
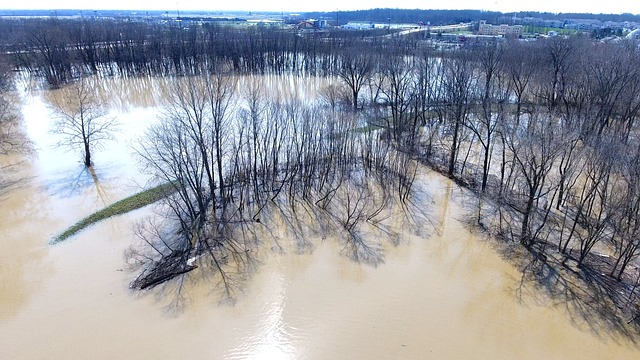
[82, 120]
[558, 55]
[520, 66]
[626, 237]
[355, 69]
[11, 137]
[399, 94]
[493, 91]
[49, 39]
[458, 81]
[428, 91]
[219, 91]
[534, 148]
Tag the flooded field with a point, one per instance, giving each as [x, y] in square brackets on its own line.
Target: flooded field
[444, 295]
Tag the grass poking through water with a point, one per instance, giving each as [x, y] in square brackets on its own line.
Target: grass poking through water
[123, 206]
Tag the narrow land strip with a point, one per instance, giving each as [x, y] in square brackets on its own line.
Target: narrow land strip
[123, 206]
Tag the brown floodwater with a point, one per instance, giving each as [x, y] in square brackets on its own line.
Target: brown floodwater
[446, 294]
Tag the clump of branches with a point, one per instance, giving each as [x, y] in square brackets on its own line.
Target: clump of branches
[12, 139]
[243, 163]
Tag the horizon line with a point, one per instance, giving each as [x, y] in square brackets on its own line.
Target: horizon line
[281, 11]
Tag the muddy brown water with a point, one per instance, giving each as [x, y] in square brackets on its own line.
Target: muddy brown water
[447, 295]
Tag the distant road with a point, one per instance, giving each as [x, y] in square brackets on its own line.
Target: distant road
[443, 29]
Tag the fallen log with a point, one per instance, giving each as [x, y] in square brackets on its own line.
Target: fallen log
[164, 270]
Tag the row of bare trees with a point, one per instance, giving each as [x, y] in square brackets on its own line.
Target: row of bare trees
[60, 50]
[544, 132]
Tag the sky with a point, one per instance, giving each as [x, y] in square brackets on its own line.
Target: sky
[555, 6]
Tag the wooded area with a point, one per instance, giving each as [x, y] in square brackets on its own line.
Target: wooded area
[544, 133]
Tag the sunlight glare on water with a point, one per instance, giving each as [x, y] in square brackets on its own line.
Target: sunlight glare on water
[269, 338]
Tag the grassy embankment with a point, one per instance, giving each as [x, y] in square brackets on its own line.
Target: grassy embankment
[529, 29]
[123, 206]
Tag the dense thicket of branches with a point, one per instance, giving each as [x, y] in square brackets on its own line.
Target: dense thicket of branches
[60, 50]
[241, 156]
[545, 133]
[11, 137]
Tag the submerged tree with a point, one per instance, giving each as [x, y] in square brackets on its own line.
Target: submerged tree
[534, 148]
[10, 137]
[81, 118]
[355, 69]
[48, 39]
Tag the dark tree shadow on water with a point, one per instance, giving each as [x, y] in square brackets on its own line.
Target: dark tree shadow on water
[591, 299]
[11, 181]
[78, 181]
[218, 270]
[221, 284]
[219, 266]
[9, 185]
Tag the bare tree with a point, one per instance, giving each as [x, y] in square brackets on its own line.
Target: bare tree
[49, 39]
[182, 150]
[355, 69]
[11, 138]
[219, 91]
[399, 94]
[458, 82]
[428, 73]
[81, 118]
[493, 92]
[534, 149]
[626, 239]
[520, 64]
[557, 55]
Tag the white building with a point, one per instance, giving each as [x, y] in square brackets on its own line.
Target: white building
[500, 30]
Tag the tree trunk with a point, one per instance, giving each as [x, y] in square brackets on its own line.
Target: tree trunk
[485, 166]
[355, 99]
[87, 154]
[454, 149]
[525, 236]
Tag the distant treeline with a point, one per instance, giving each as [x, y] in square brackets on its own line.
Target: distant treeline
[443, 17]
[60, 50]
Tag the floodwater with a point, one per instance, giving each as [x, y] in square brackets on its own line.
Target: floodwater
[447, 295]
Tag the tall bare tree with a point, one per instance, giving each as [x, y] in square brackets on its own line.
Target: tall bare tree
[12, 138]
[493, 91]
[81, 118]
[49, 39]
[534, 148]
[458, 81]
[355, 69]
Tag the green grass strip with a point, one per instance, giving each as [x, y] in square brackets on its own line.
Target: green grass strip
[123, 206]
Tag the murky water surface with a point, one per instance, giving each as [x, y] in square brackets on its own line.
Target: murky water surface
[443, 296]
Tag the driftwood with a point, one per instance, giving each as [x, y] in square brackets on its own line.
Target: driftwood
[164, 270]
